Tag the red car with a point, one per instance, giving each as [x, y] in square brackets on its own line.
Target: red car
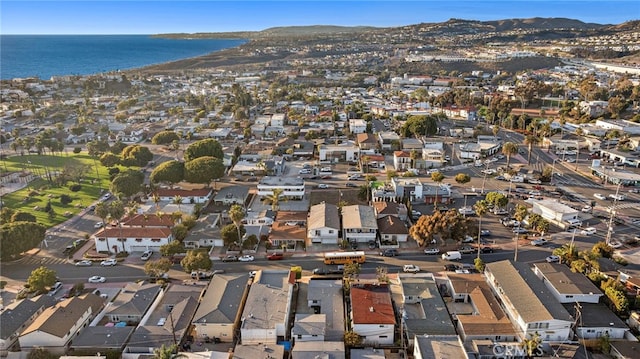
[275, 256]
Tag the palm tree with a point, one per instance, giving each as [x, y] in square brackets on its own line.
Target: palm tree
[178, 200]
[481, 208]
[102, 211]
[166, 352]
[236, 214]
[274, 198]
[116, 211]
[531, 140]
[509, 149]
[437, 177]
[156, 199]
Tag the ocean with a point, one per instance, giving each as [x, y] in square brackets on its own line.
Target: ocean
[44, 56]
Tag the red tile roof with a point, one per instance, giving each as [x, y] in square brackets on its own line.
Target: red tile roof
[133, 232]
[149, 220]
[371, 304]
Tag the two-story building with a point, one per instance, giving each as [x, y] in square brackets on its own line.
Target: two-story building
[359, 224]
[323, 224]
[292, 188]
[131, 239]
[372, 314]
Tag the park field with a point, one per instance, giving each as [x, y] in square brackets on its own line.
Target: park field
[34, 197]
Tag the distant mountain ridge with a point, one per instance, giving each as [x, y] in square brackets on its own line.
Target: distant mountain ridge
[535, 23]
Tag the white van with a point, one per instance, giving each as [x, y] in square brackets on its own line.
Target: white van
[517, 179]
[574, 223]
[452, 256]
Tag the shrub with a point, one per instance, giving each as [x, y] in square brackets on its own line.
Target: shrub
[75, 187]
[77, 150]
[65, 199]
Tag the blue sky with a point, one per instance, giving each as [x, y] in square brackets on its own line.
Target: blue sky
[168, 16]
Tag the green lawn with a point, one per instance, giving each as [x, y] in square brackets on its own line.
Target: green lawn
[40, 191]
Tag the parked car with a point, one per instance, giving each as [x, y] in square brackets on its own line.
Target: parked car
[97, 279]
[275, 256]
[230, 258]
[201, 275]
[451, 267]
[617, 197]
[486, 249]
[468, 239]
[98, 225]
[84, 263]
[485, 233]
[539, 242]
[519, 230]
[108, 262]
[323, 186]
[500, 211]
[616, 244]
[466, 211]
[501, 178]
[246, 258]
[586, 209]
[599, 196]
[534, 181]
[410, 268]
[389, 253]
[466, 250]
[146, 255]
[351, 184]
[431, 251]
[552, 259]
[588, 231]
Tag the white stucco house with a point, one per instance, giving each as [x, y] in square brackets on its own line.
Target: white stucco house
[131, 239]
[323, 223]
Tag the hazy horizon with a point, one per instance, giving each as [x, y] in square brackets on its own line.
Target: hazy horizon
[113, 17]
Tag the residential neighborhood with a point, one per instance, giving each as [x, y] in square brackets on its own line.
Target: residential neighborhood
[293, 212]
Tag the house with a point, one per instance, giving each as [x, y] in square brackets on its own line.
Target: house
[359, 224]
[315, 349]
[357, 125]
[232, 195]
[218, 313]
[596, 320]
[431, 158]
[265, 217]
[434, 346]
[478, 149]
[309, 327]
[133, 302]
[326, 297]
[262, 351]
[372, 315]
[478, 313]
[292, 188]
[412, 144]
[323, 223]
[367, 353]
[366, 141]
[425, 312]
[565, 285]
[206, 232]
[527, 301]
[57, 326]
[168, 321]
[389, 140]
[202, 195]
[384, 208]
[289, 233]
[157, 220]
[402, 160]
[131, 239]
[267, 309]
[101, 339]
[19, 315]
[392, 230]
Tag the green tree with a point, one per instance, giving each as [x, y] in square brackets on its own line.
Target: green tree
[530, 141]
[158, 267]
[19, 237]
[509, 149]
[165, 138]
[230, 234]
[6, 215]
[602, 249]
[41, 278]
[196, 260]
[165, 352]
[521, 212]
[168, 172]
[530, 345]
[206, 147]
[351, 269]
[179, 232]
[172, 248]
[352, 339]
[497, 199]
[127, 183]
[136, 155]
[479, 264]
[203, 170]
[108, 159]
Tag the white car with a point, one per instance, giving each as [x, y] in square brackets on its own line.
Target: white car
[586, 209]
[431, 251]
[489, 171]
[108, 262]
[106, 196]
[553, 259]
[246, 258]
[615, 244]
[466, 211]
[617, 197]
[323, 186]
[519, 230]
[97, 279]
[98, 225]
[534, 181]
[410, 268]
[146, 255]
[468, 239]
[588, 231]
[84, 263]
[539, 242]
[599, 196]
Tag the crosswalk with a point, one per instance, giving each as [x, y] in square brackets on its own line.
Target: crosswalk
[571, 181]
[42, 260]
